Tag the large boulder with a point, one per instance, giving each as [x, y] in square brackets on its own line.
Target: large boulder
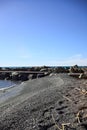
[44, 70]
[15, 76]
[40, 75]
[23, 76]
[19, 76]
[84, 70]
[5, 75]
[59, 70]
[37, 68]
[75, 69]
[32, 76]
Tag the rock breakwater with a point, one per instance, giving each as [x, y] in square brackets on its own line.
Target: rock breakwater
[25, 74]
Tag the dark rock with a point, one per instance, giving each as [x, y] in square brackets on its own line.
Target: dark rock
[60, 70]
[19, 76]
[44, 70]
[32, 76]
[15, 76]
[40, 75]
[23, 76]
[4, 75]
[37, 68]
[32, 69]
[75, 69]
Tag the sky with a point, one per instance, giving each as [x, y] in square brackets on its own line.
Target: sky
[43, 32]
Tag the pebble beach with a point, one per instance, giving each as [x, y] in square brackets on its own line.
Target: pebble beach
[54, 102]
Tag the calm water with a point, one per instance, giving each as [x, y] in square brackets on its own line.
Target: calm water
[6, 83]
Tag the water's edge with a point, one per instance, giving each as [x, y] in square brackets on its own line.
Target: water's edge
[11, 91]
[6, 84]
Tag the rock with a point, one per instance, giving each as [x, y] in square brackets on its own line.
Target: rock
[76, 66]
[71, 70]
[84, 70]
[44, 70]
[19, 76]
[37, 68]
[32, 76]
[50, 70]
[7, 75]
[23, 76]
[15, 76]
[75, 69]
[46, 73]
[59, 70]
[40, 75]
[4, 75]
[52, 74]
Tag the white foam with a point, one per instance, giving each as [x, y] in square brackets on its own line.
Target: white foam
[8, 87]
[11, 91]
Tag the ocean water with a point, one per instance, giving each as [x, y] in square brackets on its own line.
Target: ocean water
[6, 84]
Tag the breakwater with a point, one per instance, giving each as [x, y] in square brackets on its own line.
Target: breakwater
[27, 73]
[23, 74]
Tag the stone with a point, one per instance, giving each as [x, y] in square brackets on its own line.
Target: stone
[44, 70]
[4, 75]
[40, 75]
[23, 76]
[15, 76]
[59, 70]
[75, 69]
[32, 76]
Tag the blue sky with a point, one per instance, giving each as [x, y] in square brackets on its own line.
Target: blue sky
[43, 32]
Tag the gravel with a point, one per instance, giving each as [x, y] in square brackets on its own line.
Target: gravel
[44, 104]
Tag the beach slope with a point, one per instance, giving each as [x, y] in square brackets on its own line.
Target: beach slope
[49, 103]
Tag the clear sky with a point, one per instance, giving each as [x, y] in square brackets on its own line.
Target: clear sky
[43, 32]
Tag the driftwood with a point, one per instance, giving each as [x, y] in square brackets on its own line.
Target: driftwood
[67, 98]
[83, 76]
[62, 125]
[82, 91]
[74, 74]
[78, 75]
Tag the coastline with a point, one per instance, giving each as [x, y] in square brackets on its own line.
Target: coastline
[2, 89]
[10, 92]
[39, 103]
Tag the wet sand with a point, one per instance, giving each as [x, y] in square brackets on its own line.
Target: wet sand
[49, 103]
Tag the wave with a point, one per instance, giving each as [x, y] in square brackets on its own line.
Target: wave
[8, 87]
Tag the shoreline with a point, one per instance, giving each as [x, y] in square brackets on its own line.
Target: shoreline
[42, 101]
[5, 88]
[10, 86]
[10, 92]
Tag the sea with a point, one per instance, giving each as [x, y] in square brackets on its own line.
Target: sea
[7, 83]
